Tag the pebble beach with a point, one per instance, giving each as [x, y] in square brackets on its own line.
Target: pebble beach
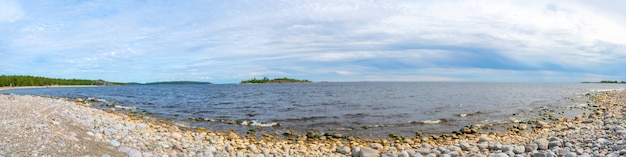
[41, 126]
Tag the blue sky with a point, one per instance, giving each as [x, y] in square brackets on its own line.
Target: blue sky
[229, 41]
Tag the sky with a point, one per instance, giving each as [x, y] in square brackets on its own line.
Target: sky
[320, 40]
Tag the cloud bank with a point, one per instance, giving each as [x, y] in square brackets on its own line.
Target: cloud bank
[228, 41]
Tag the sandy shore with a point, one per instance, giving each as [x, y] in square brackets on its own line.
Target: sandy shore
[38, 126]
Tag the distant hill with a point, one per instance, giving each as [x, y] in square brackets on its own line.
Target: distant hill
[21, 80]
[176, 83]
[276, 80]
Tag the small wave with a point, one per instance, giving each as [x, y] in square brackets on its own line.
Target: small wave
[426, 122]
[257, 123]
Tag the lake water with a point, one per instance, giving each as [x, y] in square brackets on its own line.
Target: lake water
[364, 108]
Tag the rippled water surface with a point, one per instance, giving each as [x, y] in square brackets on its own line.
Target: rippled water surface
[350, 108]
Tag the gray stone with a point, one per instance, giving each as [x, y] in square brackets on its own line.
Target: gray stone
[542, 143]
[464, 146]
[620, 132]
[115, 143]
[585, 155]
[403, 154]
[423, 151]
[431, 155]
[134, 153]
[562, 152]
[519, 149]
[571, 154]
[110, 131]
[483, 138]
[140, 126]
[417, 155]
[454, 154]
[253, 148]
[483, 145]
[500, 155]
[495, 146]
[531, 147]
[538, 154]
[553, 144]
[389, 155]
[368, 152]
[506, 148]
[343, 150]
[355, 151]
[376, 146]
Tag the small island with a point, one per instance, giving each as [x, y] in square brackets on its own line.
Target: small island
[276, 80]
[606, 81]
[178, 83]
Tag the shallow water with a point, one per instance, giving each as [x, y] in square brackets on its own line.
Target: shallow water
[364, 109]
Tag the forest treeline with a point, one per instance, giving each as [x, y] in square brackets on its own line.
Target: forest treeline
[12, 81]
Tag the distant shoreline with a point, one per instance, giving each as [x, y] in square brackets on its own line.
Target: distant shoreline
[29, 87]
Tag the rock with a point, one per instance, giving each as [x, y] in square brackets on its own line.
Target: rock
[115, 143]
[343, 150]
[495, 146]
[417, 155]
[377, 146]
[389, 155]
[562, 152]
[542, 124]
[522, 127]
[538, 154]
[232, 135]
[355, 151]
[483, 138]
[423, 151]
[140, 126]
[483, 145]
[542, 144]
[620, 132]
[253, 148]
[519, 149]
[134, 153]
[553, 144]
[464, 146]
[531, 147]
[173, 128]
[571, 154]
[110, 131]
[500, 155]
[506, 148]
[175, 135]
[368, 152]
[80, 100]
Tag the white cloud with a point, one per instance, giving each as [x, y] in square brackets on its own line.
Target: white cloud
[10, 11]
[325, 39]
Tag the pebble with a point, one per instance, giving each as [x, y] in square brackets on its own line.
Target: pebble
[542, 144]
[368, 152]
[483, 138]
[115, 143]
[377, 146]
[343, 150]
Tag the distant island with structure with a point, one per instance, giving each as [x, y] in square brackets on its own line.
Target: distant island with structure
[276, 80]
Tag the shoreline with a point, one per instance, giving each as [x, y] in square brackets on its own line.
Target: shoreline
[148, 136]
